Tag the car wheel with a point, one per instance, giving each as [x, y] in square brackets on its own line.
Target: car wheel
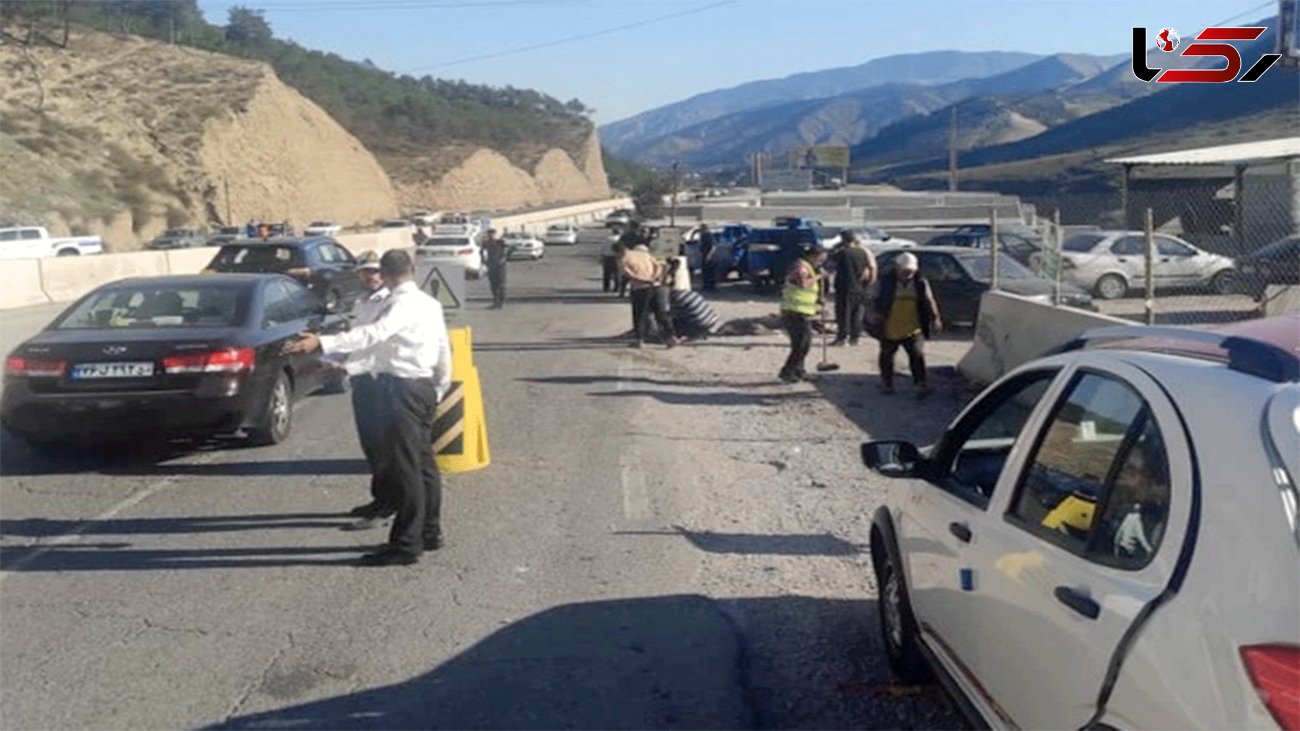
[69, 252]
[277, 417]
[897, 623]
[1111, 287]
[1225, 282]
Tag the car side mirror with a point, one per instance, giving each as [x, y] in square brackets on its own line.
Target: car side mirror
[892, 459]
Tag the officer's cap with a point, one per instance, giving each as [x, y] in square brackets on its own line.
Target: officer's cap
[368, 260]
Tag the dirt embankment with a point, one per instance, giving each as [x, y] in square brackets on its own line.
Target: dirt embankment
[124, 137]
[487, 180]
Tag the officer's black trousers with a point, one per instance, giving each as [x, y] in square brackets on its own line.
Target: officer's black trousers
[408, 462]
[367, 405]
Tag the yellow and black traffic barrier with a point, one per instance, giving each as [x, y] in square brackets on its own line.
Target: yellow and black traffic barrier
[460, 441]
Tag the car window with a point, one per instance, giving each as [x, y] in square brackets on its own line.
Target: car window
[941, 268]
[1129, 246]
[342, 255]
[1136, 505]
[29, 234]
[8, 235]
[1073, 459]
[158, 306]
[280, 307]
[1169, 247]
[975, 451]
[303, 304]
[1082, 243]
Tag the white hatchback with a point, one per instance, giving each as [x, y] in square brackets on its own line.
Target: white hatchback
[1107, 537]
[461, 250]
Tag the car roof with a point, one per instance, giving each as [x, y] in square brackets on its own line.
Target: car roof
[954, 250]
[283, 241]
[193, 280]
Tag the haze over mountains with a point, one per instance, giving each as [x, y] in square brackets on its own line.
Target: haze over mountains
[896, 111]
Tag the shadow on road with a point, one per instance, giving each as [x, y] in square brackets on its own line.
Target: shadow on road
[709, 398]
[900, 415]
[752, 544]
[605, 378]
[269, 468]
[44, 527]
[120, 557]
[669, 662]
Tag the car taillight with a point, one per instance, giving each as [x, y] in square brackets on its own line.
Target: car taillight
[1275, 671]
[16, 365]
[227, 360]
[464, 252]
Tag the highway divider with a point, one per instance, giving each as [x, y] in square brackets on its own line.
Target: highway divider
[1014, 330]
[27, 282]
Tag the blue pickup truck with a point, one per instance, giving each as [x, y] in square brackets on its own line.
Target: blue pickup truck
[768, 252]
[727, 251]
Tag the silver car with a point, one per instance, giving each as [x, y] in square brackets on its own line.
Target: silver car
[1107, 537]
[1112, 263]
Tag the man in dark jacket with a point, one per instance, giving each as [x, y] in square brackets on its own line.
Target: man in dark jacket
[855, 270]
[496, 252]
[906, 312]
[708, 267]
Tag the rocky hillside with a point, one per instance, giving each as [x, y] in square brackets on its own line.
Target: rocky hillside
[122, 135]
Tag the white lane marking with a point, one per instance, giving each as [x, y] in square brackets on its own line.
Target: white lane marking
[50, 543]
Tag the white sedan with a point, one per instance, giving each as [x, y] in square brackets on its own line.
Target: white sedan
[1107, 537]
[461, 250]
[562, 234]
[322, 228]
[1113, 263]
[524, 245]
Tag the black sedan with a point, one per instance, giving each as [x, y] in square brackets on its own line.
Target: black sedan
[162, 357]
[960, 276]
[1277, 263]
[319, 262]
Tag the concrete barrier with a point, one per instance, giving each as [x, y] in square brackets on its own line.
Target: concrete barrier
[190, 261]
[1013, 330]
[1280, 298]
[20, 284]
[66, 278]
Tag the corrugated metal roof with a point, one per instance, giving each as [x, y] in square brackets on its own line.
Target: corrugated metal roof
[1238, 154]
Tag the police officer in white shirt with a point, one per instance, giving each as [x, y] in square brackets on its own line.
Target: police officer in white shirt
[366, 400]
[412, 367]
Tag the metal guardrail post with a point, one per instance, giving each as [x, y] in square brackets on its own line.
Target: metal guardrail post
[994, 245]
[1150, 231]
[1056, 278]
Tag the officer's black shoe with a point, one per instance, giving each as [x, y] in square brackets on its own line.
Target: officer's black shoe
[366, 523]
[364, 511]
[432, 544]
[389, 557]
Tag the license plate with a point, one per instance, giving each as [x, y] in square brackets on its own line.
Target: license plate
[112, 370]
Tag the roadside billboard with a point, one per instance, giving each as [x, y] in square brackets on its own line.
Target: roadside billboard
[819, 156]
[787, 180]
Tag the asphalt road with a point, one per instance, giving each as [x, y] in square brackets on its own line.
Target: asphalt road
[641, 553]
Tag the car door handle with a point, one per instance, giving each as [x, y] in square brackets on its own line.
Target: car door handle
[1078, 602]
[961, 530]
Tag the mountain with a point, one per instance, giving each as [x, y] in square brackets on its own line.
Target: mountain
[922, 69]
[850, 118]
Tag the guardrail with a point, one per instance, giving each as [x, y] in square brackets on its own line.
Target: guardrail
[26, 282]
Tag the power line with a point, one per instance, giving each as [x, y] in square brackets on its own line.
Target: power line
[1243, 14]
[571, 39]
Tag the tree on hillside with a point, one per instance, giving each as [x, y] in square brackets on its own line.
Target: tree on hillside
[246, 27]
[648, 196]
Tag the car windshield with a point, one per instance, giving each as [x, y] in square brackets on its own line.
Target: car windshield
[1080, 243]
[159, 305]
[447, 241]
[320, 223]
[979, 267]
[256, 258]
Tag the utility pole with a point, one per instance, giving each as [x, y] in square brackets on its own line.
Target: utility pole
[672, 216]
[230, 221]
[952, 151]
[1287, 43]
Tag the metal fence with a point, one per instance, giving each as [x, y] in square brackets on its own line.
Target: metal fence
[1188, 251]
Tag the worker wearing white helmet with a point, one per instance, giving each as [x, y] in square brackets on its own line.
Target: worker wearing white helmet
[907, 311]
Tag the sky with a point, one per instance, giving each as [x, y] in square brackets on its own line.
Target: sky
[623, 57]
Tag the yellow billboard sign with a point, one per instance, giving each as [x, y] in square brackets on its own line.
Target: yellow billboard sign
[819, 156]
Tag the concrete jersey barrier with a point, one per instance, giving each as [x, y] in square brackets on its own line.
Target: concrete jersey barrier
[1013, 331]
[20, 284]
[65, 278]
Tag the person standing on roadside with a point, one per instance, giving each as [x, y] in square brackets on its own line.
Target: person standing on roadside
[367, 403]
[708, 267]
[855, 270]
[412, 367]
[800, 302]
[496, 253]
[609, 267]
[906, 308]
[645, 276]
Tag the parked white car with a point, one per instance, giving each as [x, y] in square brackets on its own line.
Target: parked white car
[1107, 537]
[322, 228]
[1113, 263]
[397, 224]
[35, 242]
[462, 250]
[524, 245]
[457, 224]
[561, 234]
